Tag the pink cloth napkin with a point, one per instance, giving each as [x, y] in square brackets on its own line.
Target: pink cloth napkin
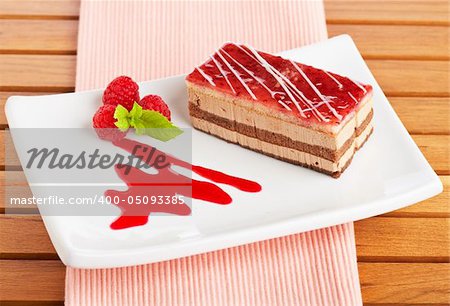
[153, 39]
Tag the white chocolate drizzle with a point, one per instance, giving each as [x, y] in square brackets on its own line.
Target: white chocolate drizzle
[250, 73]
[351, 96]
[259, 80]
[236, 74]
[359, 85]
[285, 105]
[302, 97]
[223, 73]
[287, 85]
[318, 93]
[335, 80]
[273, 72]
[207, 77]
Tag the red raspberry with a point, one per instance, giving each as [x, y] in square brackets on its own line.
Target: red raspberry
[122, 90]
[155, 103]
[103, 122]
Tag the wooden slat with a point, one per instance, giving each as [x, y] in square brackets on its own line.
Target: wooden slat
[49, 72]
[397, 41]
[436, 150]
[403, 239]
[405, 284]
[436, 207]
[430, 12]
[23, 280]
[57, 72]
[337, 11]
[418, 42]
[41, 8]
[382, 283]
[412, 78]
[38, 36]
[415, 113]
[24, 237]
[378, 239]
[3, 97]
[3, 149]
[13, 184]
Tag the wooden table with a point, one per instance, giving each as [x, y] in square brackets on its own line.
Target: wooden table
[403, 256]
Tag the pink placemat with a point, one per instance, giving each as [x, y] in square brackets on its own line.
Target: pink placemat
[153, 39]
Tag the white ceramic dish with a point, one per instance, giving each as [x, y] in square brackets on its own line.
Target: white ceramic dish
[388, 173]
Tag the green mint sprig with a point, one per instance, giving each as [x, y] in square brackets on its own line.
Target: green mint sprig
[145, 122]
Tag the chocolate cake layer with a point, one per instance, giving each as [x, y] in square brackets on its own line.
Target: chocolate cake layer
[360, 129]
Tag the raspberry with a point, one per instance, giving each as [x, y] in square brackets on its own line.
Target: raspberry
[103, 122]
[155, 103]
[122, 90]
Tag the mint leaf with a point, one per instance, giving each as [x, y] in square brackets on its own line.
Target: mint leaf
[122, 124]
[155, 119]
[164, 134]
[138, 124]
[155, 125]
[121, 114]
[136, 111]
[145, 122]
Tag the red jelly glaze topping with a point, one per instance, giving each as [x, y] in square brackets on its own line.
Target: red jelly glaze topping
[236, 70]
[168, 183]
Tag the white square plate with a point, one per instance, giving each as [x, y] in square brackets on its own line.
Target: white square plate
[388, 173]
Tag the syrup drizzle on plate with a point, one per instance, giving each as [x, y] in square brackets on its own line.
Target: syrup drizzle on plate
[167, 183]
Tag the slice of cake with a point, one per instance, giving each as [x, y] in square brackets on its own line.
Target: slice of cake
[284, 109]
